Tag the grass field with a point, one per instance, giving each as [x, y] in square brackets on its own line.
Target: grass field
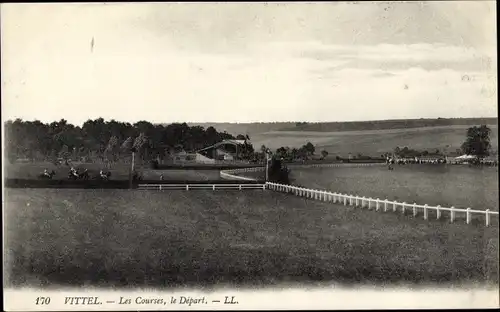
[118, 172]
[204, 238]
[372, 143]
[458, 186]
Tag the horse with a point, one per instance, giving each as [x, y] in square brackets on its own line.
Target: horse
[84, 175]
[73, 175]
[105, 175]
[48, 175]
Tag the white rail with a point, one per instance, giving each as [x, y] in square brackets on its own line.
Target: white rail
[188, 187]
[230, 174]
[368, 202]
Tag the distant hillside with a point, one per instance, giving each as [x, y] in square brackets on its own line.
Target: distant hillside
[263, 127]
[388, 124]
[246, 128]
[374, 142]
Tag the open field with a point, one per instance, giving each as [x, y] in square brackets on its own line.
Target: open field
[118, 172]
[256, 128]
[204, 238]
[372, 142]
[445, 185]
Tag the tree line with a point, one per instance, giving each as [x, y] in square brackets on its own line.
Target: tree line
[107, 140]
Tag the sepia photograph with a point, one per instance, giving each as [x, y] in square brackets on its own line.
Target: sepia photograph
[253, 155]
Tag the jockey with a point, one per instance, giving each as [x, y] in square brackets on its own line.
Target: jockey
[46, 172]
[73, 171]
[103, 175]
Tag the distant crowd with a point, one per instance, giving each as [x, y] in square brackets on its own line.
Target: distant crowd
[417, 160]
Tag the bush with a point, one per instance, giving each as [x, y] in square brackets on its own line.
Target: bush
[278, 173]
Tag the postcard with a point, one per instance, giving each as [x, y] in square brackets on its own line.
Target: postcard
[235, 156]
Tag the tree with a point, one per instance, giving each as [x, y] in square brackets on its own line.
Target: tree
[278, 173]
[309, 147]
[477, 142]
[139, 144]
[111, 149]
[64, 153]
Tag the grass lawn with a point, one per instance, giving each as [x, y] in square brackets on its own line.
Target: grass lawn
[118, 171]
[458, 186]
[60, 238]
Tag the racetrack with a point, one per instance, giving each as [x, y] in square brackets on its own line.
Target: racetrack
[200, 238]
[445, 185]
[118, 172]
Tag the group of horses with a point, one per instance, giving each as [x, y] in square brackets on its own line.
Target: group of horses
[77, 175]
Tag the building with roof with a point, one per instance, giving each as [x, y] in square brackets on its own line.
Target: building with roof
[224, 150]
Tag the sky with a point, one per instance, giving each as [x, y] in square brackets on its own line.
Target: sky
[246, 62]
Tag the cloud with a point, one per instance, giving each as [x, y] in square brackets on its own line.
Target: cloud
[391, 56]
[50, 73]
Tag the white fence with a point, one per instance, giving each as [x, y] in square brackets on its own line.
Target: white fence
[187, 187]
[230, 174]
[368, 202]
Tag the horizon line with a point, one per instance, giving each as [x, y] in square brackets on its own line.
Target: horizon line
[254, 122]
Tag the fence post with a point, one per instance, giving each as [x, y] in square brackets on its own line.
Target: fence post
[350, 200]
[414, 209]
[377, 204]
[394, 206]
[160, 187]
[345, 199]
[213, 187]
[403, 209]
[468, 215]
[357, 201]
[187, 187]
[425, 212]
[385, 205]
[325, 196]
[438, 212]
[487, 217]
[452, 214]
[263, 187]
